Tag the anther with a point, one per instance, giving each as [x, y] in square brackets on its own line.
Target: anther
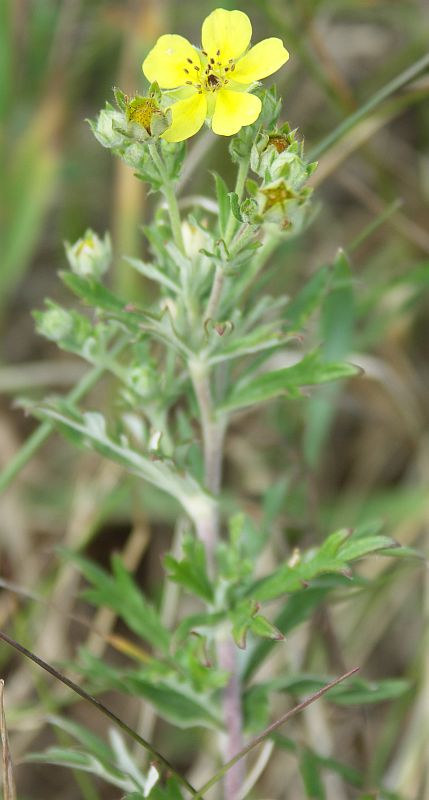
[189, 83]
[233, 68]
[226, 69]
[189, 60]
[212, 61]
[186, 70]
[204, 53]
[218, 52]
[197, 68]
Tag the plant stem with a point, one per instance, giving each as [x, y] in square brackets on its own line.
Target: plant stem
[208, 529]
[213, 434]
[167, 189]
[270, 730]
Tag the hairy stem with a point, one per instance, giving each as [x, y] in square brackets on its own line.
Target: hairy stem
[208, 529]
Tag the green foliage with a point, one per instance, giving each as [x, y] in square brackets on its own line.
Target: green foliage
[120, 593]
[186, 361]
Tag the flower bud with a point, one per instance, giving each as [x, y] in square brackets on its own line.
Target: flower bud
[90, 256]
[56, 323]
[109, 126]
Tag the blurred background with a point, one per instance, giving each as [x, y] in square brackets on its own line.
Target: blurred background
[342, 457]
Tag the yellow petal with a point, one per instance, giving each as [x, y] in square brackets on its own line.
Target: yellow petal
[263, 59]
[167, 61]
[233, 110]
[187, 118]
[226, 32]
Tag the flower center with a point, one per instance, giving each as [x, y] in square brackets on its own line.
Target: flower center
[209, 75]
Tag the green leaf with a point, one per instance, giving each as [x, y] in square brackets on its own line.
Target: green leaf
[93, 292]
[358, 691]
[235, 206]
[308, 300]
[309, 768]
[153, 273]
[120, 593]
[361, 692]
[76, 759]
[224, 203]
[361, 547]
[333, 555]
[309, 371]
[176, 702]
[298, 608]
[265, 337]
[89, 431]
[191, 571]
[336, 331]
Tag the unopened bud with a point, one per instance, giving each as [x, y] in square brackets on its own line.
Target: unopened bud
[90, 256]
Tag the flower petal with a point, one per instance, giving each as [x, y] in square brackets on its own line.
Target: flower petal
[263, 59]
[187, 118]
[167, 61]
[228, 32]
[233, 110]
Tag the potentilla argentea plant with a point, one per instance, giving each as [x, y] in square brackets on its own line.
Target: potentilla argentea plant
[185, 367]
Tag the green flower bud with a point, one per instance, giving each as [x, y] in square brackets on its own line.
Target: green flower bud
[56, 323]
[109, 127]
[90, 256]
[142, 379]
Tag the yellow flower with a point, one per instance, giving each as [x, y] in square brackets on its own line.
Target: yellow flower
[213, 82]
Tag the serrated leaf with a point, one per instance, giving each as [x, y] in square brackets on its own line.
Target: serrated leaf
[307, 372]
[333, 555]
[191, 570]
[120, 593]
